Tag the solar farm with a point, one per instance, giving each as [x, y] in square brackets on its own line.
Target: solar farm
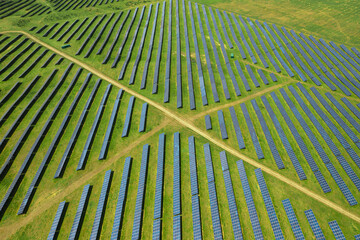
[174, 120]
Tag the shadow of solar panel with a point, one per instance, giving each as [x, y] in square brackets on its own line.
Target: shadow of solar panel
[119, 211]
[335, 228]
[9, 93]
[314, 225]
[294, 223]
[59, 30]
[269, 205]
[50, 30]
[76, 30]
[80, 212]
[249, 201]
[16, 57]
[67, 30]
[13, 50]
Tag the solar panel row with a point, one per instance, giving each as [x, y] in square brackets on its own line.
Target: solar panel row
[107, 38]
[93, 130]
[75, 31]
[38, 59]
[294, 223]
[314, 225]
[128, 116]
[76, 132]
[13, 50]
[177, 176]
[215, 216]
[100, 210]
[242, 53]
[39, 173]
[159, 178]
[136, 232]
[269, 138]
[238, 133]
[231, 197]
[269, 205]
[168, 58]
[208, 124]
[251, 129]
[249, 201]
[158, 56]
[352, 108]
[188, 61]
[67, 30]
[143, 117]
[335, 228]
[252, 76]
[179, 101]
[207, 56]
[223, 130]
[80, 213]
[216, 54]
[198, 58]
[110, 127]
[50, 30]
[59, 30]
[151, 44]
[120, 205]
[351, 54]
[16, 57]
[242, 76]
[55, 227]
[141, 47]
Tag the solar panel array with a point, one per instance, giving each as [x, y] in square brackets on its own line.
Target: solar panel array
[215, 215]
[221, 119]
[96, 229]
[9, 93]
[208, 124]
[168, 58]
[177, 187]
[158, 56]
[294, 223]
[137, 224]
[254, 219]
[143, 117]
[80, 212]
[55, 227]
[269, 205]
[120, 205]
[319, 235]
[238, 133]
[231, 197]
[334, 226]
[179, 101]
[128, 116]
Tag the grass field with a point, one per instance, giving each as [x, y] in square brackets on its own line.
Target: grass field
[328, 20]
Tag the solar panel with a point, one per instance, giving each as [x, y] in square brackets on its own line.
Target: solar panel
[238, 133]
[143, 117]
[193, 166]
[242, 76]
[16, 57]
[314, 225]
[263, 77]
[268, 136]
[351, 54]
[269, 205]
[127, 122]
[335, 228]
[223, 130]
[197, 53]
[216, 54]
[100, 210]
[55, 227]
[168, 58]
[177, 176]
[234, 35]
[294, 223]
[141, 47]
[252, 76]
[179, 101]
[93, 130]
[137, 224]
[157, 229]
[208, 124]
[159, 178]
[231, 197]
[344, 56]
[357, 236]
[68, 30]
[351, 107]
[177, 227]
[196, 217]
[253, 135]
[80, 212]
[249, 201]
[224, 29]
[9, 93]
[120, 206]
[13, 50]
[158, 56]
[208, 61]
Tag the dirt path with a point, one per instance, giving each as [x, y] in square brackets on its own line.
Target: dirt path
[190, 125]
[45, 203]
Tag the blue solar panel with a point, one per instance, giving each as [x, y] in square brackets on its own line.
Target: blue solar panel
[168, 58]
[351, 54]
[269, 205]
[224, 29]
[198, 58]
[238, 133]
[314, 225]
[158, 56]
[242, 76]
[55, 227]
[120, 206]
[159, 178]
[263, 77]
[156, 235]
[334, 226]
[177, 227]
[223, 130]
[193, 167]
[196, 217]
[137, 224]
[231, 197]
[143, 117]
[80, 212]
[249, 201]
[100, 210]
[208, 124]
[177, 176]
[357, 237]
[127, 122]
[351, 107]
[268, 136]
[254, 138]
[179, 101]
[208, 61]
[234, 35]
[252, 76]
[216, 55]
[294, 223]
